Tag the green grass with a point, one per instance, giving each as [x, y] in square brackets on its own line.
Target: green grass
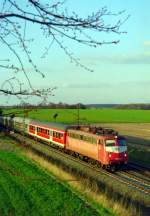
[139, 155]
[27, 189]
[92, 115]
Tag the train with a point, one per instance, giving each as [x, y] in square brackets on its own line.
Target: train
[103, 145]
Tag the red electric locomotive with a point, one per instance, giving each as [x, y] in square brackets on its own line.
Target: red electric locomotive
[101, 144]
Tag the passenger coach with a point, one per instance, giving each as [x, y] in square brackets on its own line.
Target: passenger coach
[51, 132]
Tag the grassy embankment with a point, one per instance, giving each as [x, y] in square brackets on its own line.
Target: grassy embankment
[28, 189]
[15, 161]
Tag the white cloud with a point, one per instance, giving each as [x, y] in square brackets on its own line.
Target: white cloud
[147, 43]
[143, 58]
[86, 85]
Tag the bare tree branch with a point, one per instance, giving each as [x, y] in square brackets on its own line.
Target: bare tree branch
[57, 25]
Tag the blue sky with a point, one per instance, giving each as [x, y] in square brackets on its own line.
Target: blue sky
[121, 72]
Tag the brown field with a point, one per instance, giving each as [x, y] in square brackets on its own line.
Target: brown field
[135, 132]
[139, 130]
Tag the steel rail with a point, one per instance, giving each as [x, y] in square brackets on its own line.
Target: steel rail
[135, 177]
[138, 184]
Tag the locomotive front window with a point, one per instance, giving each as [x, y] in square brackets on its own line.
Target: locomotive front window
[122, 142]
[110, 142]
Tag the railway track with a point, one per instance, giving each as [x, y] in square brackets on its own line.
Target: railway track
[124, 177]
[137, 182]
[138, 172]
[138, 167]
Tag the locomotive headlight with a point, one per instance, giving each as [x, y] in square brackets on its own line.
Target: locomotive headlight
[109, 154]
[125, 154]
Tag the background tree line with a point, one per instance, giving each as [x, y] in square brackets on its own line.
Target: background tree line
[61, 105]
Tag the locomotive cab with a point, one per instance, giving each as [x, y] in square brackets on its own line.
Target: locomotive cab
[116, 152]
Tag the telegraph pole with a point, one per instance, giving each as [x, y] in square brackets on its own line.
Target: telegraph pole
[78, 114]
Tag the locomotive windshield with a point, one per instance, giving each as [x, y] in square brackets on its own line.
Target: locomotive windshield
[110, 142]
[122, 142]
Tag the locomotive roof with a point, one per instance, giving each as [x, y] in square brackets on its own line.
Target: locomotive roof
[89, 133]
[53, 125]
[104, 133]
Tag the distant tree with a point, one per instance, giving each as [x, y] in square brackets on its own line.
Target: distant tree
[82, 106]
[55, 116]
[56, 24]
[1, 112]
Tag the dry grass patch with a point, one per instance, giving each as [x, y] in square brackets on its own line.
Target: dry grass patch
[84, 188]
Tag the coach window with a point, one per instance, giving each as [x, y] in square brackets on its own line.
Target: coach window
[57, 135]
[61, 136]
[54, 134]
